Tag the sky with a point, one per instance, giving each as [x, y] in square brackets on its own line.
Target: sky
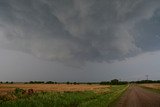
[79, 40]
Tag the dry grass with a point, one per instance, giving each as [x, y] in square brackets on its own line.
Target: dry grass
[54, 87]
[153, 86]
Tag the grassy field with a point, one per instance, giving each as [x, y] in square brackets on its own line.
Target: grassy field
[152, 86]
[60, 95]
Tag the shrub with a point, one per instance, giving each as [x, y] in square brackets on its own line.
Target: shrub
[19, 91]
[30, 91]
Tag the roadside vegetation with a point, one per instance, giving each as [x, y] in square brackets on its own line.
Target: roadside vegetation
[28, 98]
[155, 87]
[152, 85]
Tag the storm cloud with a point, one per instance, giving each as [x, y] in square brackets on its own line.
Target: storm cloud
[80, 30]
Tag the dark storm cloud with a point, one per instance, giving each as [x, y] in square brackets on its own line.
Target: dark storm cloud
[80, 30]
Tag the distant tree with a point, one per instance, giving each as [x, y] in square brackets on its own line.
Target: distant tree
[31, 82]
[67, 82]
[36, 82]
[114, 82]
[89, 83]
[122, 82]
[49, 82]
[104, 83]
[75, 83]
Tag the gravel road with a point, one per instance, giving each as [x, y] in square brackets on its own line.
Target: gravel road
[136, 96]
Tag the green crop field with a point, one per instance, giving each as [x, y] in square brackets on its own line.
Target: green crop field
[65, 99]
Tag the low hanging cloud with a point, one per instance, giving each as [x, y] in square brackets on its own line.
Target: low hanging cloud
[80, 30]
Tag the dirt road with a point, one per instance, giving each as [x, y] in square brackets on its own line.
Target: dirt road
[138, 97]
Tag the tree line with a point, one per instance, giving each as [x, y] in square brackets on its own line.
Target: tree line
[112, 82]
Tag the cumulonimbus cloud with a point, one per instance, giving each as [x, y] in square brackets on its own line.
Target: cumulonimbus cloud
[76, 30]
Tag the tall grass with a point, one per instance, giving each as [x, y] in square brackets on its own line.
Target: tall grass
[152, 88]
[68, 99]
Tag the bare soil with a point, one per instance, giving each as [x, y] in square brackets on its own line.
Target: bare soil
[136, 96]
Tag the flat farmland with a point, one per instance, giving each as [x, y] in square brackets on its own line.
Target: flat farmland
[59, 95]
[152, 86]
[54, 87]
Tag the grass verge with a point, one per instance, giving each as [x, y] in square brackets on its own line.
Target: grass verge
[114, 102]
[151, 89]
[68, 99]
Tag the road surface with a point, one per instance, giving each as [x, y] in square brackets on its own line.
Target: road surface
[138, 97]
